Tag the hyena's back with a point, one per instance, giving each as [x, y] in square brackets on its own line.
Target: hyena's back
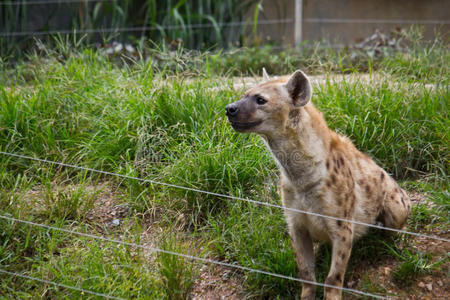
[362, 188]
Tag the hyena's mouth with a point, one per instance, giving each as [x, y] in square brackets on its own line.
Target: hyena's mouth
[246, 125]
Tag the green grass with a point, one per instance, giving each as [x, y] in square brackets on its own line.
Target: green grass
[176, 273]
[141, 120]
[378, 117]
[257, 237]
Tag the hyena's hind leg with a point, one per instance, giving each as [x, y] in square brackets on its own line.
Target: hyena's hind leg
[397, 207]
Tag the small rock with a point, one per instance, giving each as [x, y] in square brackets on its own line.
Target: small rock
[421, 284]
[429, 286]
[129, 48]
[118, 47]
[115, 222]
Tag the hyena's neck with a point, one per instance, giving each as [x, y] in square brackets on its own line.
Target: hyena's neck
[299, 150]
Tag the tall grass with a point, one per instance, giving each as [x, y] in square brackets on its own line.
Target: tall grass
[144, 121]
[424, 60]
[375, 117]
[88, 110]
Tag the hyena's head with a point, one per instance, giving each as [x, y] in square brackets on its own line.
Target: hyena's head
[265, 108]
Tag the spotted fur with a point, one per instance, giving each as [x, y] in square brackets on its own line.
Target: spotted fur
[322, 172]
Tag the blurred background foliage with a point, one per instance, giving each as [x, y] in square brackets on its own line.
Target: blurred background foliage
[194, 24]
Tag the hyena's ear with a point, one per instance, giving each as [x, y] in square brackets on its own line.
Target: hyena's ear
[299, 88]
[265, 75]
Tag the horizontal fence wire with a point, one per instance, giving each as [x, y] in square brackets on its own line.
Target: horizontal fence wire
[375, 21]
[20, 3]
[211, 25]
[227, 196]
[307, 20]
[191, 257]
[143, 28]
[59, 284]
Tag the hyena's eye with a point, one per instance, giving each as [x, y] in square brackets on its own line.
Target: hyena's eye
[260, 100]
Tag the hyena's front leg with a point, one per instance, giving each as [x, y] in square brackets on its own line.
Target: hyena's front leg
[341, 239]
[304, 253]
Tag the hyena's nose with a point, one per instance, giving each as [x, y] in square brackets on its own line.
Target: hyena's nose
[231, 110]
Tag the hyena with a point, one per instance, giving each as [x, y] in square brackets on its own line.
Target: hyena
[321, 172]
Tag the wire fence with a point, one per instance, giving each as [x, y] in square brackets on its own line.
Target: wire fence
[143, 28]
[227, 197]
[43, 2]
[220, 25]
[59, 284]
[195, 26]
[375, 21]
[190, 257]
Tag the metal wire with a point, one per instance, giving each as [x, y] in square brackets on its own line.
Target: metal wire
[142, 28]
[227, 196]
[191, 257]
[209, 25]
[19, 3]
[375, 21]
[60, 284]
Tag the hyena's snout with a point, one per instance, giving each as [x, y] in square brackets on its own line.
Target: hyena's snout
[241, 115]
[231, 110]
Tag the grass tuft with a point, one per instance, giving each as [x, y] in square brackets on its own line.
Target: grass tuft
[176, 273]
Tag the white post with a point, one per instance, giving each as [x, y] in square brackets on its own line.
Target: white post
[298, 23]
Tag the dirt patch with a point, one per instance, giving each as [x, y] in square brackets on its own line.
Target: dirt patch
[244, 83]
[378, 276]
[217, 283]
[248, 82]
[106, 210]
[379, 279]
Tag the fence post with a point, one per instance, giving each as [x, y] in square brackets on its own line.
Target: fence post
[298, 23]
